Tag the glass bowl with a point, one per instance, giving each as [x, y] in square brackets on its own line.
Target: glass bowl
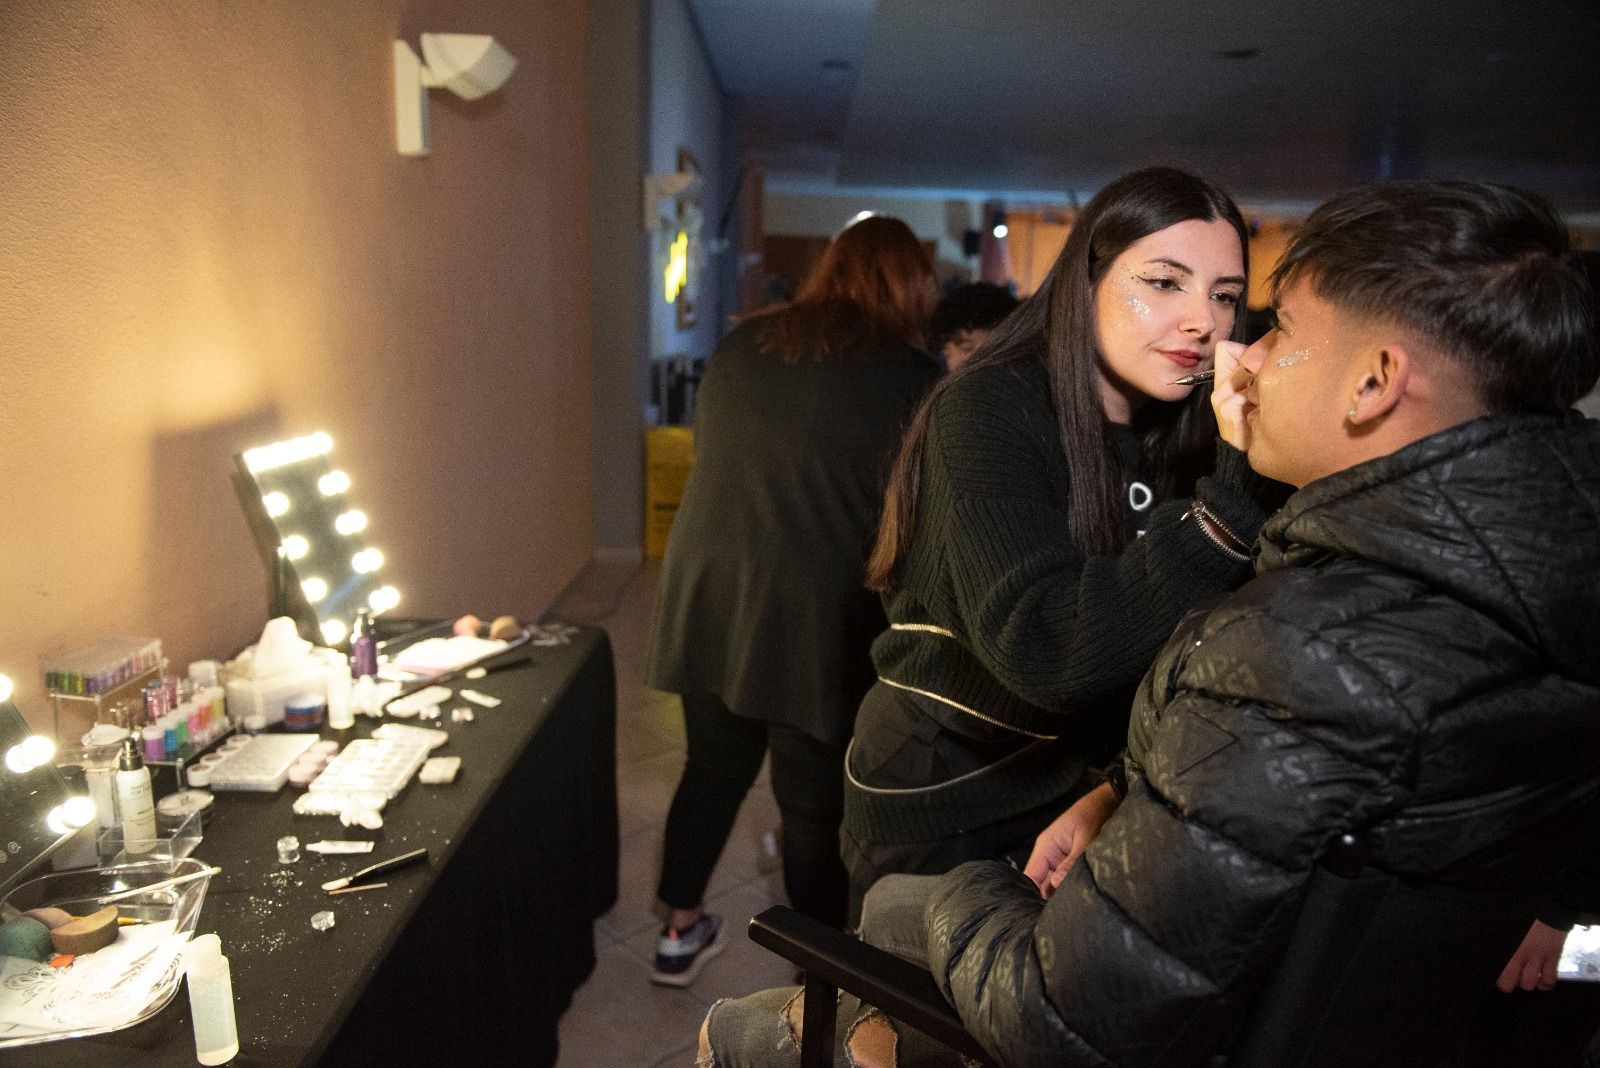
[121, 985]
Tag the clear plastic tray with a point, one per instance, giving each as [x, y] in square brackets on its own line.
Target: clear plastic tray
[157, 974]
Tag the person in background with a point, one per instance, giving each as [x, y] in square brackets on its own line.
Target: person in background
[1412, 668]
[964, 318]
[1059, 501]
[762, 623]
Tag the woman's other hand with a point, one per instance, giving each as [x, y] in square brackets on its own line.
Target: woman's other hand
[1060, 845]
[1227, 395]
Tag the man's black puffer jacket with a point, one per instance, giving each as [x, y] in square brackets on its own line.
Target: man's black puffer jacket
[1417, 659]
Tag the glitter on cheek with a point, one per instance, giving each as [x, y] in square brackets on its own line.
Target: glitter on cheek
[1138, 307]
[1297, 356]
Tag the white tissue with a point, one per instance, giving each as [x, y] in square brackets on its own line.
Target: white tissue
[280, 649]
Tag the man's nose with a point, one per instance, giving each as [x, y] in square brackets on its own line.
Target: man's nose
[1254, 357]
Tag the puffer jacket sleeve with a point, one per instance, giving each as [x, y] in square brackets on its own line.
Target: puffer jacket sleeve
[1150, 951]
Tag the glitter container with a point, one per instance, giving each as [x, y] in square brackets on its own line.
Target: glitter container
[321, 921]
[288, 849]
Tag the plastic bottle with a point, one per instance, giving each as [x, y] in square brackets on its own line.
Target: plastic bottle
[216, 1033]
[364, 647]
[340, 715]
[134, 800]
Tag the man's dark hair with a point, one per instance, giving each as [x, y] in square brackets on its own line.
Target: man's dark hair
[975, 306]
[1486, 274]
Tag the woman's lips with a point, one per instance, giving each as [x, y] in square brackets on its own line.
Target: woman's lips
[1182, 357]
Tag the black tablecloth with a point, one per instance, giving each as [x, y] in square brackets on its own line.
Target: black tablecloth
[470, 958]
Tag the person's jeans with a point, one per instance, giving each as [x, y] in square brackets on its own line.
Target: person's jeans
[724, 754]
[763, 1030]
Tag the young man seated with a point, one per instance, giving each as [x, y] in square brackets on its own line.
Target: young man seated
[1415, 664]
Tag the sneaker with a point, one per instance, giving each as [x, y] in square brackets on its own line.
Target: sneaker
[681, 954]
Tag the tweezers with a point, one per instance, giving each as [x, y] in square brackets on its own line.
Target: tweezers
[373, 869]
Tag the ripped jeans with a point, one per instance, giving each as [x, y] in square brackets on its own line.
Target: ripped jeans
[763, 1029]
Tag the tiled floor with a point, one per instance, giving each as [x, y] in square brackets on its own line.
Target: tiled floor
[619, 1018]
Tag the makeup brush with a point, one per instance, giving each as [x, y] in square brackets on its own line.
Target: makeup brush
[1195, 379]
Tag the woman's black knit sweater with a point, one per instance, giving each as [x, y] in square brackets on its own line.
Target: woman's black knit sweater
[995, 612]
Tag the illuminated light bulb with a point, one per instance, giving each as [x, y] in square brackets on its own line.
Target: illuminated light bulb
[32, 752]
[77, 811]
[383, 598]
[282, 453]
[1001, 230]
[38, 749]
[352, 522]
[367, 561]
[277, 503]
[57, 821]
[315, 589]
[5, 688]
[295, 546]
[334, 631]
[333, 483]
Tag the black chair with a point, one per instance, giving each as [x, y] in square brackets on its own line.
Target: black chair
[1377, 973]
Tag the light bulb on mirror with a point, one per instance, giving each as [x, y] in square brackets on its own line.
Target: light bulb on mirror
[32, 752]
[367, 561]
[314, 588]
[333, 483]
[352, 522]
[334, 631]
[383, 598]
[295, 546]
[276, 503]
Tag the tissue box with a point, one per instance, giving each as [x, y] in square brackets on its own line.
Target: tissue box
[265, 696]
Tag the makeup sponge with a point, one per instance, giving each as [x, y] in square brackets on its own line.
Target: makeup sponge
[94, 931]
[25, 937]
[505, 628]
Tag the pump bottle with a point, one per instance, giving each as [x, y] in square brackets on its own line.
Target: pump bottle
[216, 1034]
[364, 647]
[134, 800]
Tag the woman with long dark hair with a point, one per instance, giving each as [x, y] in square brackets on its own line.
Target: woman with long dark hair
[762, 623]
[1057, 503]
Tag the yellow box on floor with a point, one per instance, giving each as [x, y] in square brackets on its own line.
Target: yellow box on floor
[668, 457]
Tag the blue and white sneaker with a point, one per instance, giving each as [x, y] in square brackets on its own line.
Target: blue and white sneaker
[681, 954]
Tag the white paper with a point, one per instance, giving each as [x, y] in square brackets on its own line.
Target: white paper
[108, 988]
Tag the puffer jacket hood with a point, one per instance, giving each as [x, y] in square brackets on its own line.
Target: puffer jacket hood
[1437, 511]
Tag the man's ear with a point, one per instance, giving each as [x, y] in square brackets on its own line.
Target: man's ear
[1385, 375]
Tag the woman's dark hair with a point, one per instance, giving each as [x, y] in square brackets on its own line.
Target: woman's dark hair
[1057, 323]
[875, 281]
[1484, 274]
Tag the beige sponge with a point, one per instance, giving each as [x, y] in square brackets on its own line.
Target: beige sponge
[87, 934]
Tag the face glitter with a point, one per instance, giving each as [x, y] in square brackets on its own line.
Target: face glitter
[1298, 356]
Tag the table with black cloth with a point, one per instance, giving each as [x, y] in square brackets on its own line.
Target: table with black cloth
[469, 958]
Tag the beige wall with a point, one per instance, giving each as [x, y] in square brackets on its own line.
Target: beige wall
[207, 241]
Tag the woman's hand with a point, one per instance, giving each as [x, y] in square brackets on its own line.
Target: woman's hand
[1533, 965]
[1060, 845]
[1227, 396]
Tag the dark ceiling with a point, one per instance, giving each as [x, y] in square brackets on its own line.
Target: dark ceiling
[1281, 102]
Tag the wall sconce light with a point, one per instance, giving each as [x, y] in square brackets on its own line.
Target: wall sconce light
[470, 65]
[671, 185]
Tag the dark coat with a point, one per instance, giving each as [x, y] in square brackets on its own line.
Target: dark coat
[761, 598]
[1416, 661]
